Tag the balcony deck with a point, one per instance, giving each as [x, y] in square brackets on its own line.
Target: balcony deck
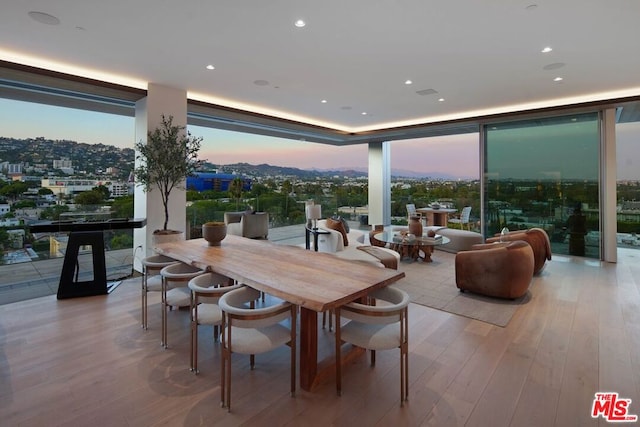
[87, 361]
[28, 280]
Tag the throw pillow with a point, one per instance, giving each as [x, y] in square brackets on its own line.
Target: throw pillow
[338, 226]
[344, 222]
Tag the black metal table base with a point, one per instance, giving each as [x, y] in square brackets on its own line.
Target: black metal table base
[69, 286]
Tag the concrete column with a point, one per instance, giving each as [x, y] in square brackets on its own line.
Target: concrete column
[167, 101]
[379, 183]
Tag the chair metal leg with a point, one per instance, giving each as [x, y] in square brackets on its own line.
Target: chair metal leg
[223, 380]
[164, 313]
[143, 300]
[194, 340]
[338, 354]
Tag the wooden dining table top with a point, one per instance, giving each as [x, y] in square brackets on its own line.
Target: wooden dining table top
[312, 280]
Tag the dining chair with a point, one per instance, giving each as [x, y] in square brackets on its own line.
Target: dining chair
[463, 220]
[175, 291]
[249, 330]
[411, 211]
[152, 280]
[206, 290]
[382, 326]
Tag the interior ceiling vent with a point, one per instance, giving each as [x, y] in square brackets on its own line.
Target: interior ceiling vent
[424, 92]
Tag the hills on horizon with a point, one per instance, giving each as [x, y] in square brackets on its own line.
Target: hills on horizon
[93, 157]
[351, 172]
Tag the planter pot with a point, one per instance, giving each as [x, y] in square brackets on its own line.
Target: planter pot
[214, 234]
[166, 236]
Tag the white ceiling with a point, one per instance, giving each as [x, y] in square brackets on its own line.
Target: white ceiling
[482, 57]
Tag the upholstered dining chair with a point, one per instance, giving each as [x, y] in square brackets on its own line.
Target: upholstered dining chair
[206, 290]
[152, 280]
[175, 290]
[252, 331]
[382, 326]
[463, 220]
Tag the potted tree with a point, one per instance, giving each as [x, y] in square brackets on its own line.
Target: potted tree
[169, 156]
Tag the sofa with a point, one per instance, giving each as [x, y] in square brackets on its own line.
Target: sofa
[334, 242]
[537, 238]
[502, 270]
[254, 225]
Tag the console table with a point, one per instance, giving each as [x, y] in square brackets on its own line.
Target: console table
[85, 233]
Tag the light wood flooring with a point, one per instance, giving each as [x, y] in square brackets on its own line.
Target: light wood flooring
[87, 362]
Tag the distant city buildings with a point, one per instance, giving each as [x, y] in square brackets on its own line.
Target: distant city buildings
[71, 186]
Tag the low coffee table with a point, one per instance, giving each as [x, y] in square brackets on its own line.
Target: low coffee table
[419, 247]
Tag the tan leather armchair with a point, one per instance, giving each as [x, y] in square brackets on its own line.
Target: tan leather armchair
[247, 224]
[502, 270]
[537, 238]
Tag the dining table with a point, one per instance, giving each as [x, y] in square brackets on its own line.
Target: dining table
[436, 216]
[314, 281]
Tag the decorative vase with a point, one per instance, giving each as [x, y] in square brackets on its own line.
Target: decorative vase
[415, 226]
[214, 232]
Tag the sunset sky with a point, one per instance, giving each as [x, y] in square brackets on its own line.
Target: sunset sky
[456, 155]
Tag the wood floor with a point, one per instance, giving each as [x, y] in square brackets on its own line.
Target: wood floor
[86, 361]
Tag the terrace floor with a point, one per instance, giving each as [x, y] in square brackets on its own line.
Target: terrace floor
[86, 361]
[28, 280]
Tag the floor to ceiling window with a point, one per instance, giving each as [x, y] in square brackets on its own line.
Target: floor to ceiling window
[628, 185]
[545, 173]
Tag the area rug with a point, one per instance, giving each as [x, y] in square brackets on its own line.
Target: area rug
[433, 285]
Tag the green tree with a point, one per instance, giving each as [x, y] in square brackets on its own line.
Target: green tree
[44, 191]
[21, 204]
[235, 190]
[4, 240]
[53, 212]
[122, 207]
[166, 160]
[121, 241]
[90, 199]
[13, 190]
[106, 194]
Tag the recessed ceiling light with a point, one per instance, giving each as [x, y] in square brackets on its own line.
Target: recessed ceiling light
[324, 101]
[44, 18]
[364, 113]
[408, 82]
[557, 79]
[300, 23]
[210, 67]
[546, 50]
[441, 99]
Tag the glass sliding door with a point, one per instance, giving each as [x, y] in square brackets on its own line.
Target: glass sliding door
[545, 173]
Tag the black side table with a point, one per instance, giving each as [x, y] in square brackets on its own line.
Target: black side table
[315, 232]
